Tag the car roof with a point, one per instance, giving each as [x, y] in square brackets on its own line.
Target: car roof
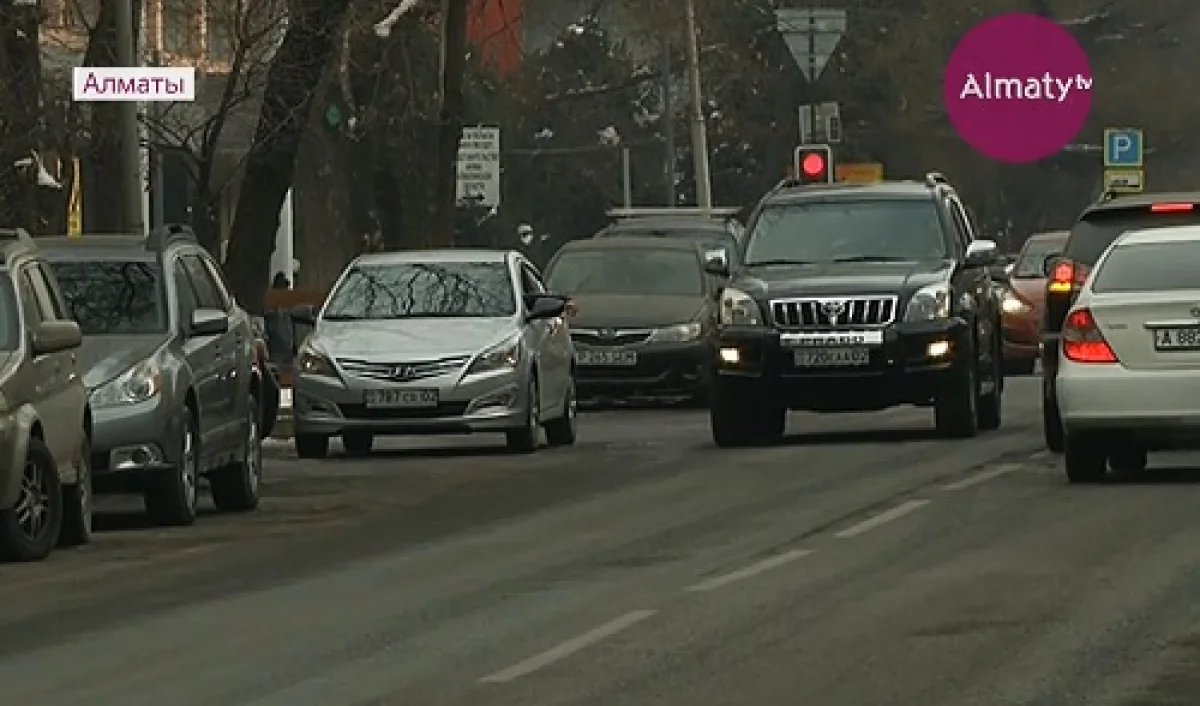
[1167, 234]
[845, 191]
[1142, 200]
[632, 243]
[439, 255]
[97, 246]
[666, 223]
[1049, 235]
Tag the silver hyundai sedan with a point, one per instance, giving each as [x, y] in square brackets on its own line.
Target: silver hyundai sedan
[435, 342]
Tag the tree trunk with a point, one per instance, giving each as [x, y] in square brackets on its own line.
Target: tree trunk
[450, 120]
[292, 82]
[20, 90]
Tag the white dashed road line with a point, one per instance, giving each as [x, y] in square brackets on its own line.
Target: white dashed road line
[752, 570]
[570, 647]
[882, 519]
[982, 477]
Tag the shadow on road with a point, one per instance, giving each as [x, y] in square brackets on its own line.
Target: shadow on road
[860, 436]
[132, 520]
[1168, 475]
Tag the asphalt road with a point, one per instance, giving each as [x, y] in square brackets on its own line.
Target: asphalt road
[864, 563]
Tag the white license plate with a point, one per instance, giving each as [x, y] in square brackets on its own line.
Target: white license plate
[832, 357]
[594, 357]
[832, 339]
[1177, 339]
[410, 399]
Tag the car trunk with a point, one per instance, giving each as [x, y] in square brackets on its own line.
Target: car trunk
[1130, 322]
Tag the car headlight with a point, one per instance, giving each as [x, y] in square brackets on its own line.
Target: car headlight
[504, 356]
[310, 362]
[1012, 304]
[929, 303]
[738, 309]
[679, 333]
[140, 383]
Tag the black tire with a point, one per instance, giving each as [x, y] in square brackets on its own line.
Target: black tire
[564, 430]
[236, 488]
[989, 411]
[1085, 457]
[357, 443]
[739, 416]
[956, 405]
[22, 537]
[311, 445]
[524, 440]
[1020, 366]
[1052, 428]
[1130, 457]
[172, 497]
[77, 502]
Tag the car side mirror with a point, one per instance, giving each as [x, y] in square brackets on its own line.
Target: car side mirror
[1050, 263]
[982, 253]
[716, 263]
[546, 307]
[55, 336]
[1000, 273]
[208, 322]
[306, 315]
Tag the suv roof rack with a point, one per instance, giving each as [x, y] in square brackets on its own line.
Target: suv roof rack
[165, 234]
[935, 179]
[19, 235]
[659, 211]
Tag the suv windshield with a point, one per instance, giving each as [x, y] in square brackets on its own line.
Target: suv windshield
[831, 231]
[1092, 235]
[1032, 264]
[1150, 267]
[423, 290]
[113, 296]
[633, 271]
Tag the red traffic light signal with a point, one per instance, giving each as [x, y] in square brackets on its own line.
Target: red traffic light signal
[814, 164]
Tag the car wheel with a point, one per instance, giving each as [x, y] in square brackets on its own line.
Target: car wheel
[990, 409]
[1052, 428]
[956, 406]
[357, 443]
[311, 445]
[739, 417]
[1085, 457]
[30, 529]
[1020, 367]
[562, 431]
[77, 502]
[1128, 458]
[236, 488]
[173, 497]
[525, 439]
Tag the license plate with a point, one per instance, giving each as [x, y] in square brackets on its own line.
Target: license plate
[1177, 339]
[411, 399]
[832, 357]
[606, 358]
[832, 339]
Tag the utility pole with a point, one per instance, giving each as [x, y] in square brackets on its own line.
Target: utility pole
[450, 120]
[130, 177]
[668, 79]
[699, 129]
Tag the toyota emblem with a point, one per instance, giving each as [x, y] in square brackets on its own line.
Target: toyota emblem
[607, 333]
[833, 310]
[404, 372]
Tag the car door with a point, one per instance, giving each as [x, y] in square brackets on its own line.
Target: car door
[223, 385]
[241, 340]
[201, 355]
[543, 337]
[56, 404]
[975, 282]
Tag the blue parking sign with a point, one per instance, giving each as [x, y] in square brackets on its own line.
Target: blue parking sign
[1122, 147]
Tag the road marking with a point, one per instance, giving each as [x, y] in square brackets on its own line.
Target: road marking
[981, 477]
[753, 570]
[882, 519]
[1043, 454]
[570, 647]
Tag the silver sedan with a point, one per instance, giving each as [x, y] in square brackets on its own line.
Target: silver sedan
[436, 342]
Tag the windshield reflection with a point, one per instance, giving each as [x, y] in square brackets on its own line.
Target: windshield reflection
[113, 296]
[423, 290]
[639, 271]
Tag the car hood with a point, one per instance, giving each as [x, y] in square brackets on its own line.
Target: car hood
[634, 310]
[842, 278]
[102, 358]
[1032, 290]
[401, 340]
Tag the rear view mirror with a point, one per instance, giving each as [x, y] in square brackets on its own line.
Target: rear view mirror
[716, 263]
[208, 322]
[1000, 273]
[55, 336]
[982, 253]
[546, 307]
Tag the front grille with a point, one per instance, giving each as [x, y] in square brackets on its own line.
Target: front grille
[361, 411]
[834, 312]
[402, 371]
[610, 336]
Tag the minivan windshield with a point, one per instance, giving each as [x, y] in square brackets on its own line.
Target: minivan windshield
[412, 290]
[118, 296]
[634, 271]
[832, 231]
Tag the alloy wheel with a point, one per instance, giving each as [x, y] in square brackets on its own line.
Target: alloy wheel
[33, 504]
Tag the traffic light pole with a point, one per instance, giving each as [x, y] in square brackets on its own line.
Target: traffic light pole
[699, 129]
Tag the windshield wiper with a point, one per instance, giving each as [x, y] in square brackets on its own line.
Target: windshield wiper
[771, 263]
[342, 317]
[873, 258]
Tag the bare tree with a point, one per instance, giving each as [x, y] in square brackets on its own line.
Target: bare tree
[20, 99]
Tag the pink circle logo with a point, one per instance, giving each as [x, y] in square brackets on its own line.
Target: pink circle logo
[1018, 88]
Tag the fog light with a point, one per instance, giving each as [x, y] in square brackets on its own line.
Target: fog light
[730, 356]
[938, 349]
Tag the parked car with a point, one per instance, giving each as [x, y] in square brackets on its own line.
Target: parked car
[1024, 301]
[45, 422]
[268, 373]
[646, 309]
[434, 342]
[169, 360]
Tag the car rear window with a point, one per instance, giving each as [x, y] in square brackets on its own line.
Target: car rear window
[1032, 261]
[1149, 267]
[1092, 235]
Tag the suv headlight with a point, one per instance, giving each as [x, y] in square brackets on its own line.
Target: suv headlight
[310, 362]
[738, 309]
[140, 383]
[929, 303]
[679, 333]
[504, 356]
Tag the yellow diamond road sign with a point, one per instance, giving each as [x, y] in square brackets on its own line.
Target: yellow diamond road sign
[1124, 181]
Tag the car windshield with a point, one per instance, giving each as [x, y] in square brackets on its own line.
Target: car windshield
[1032, 262]
[10, 315]
[414, 290]
[113, 296]
[1149, 267]
[709, 239]
[634, 271]
[847, 230]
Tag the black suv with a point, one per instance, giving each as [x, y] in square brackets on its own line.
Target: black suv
[858, 297]
[1098, 226]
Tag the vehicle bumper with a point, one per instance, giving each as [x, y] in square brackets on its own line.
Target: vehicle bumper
[1114, 398]
[135, 439]
[492, 402]
[905, 369]
[662, 369]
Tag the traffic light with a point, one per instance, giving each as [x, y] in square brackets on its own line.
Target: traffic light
[814, 164]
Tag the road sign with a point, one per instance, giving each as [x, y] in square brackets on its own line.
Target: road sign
[479, 166]
[1123, 148]
[859, 172]
[811, 34]
[1124, 181]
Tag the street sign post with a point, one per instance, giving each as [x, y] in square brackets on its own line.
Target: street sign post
[1124, 181]
[811, 35]
[479, 166]
[1123, 148]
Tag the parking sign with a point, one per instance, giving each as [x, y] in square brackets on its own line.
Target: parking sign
[1123, 148]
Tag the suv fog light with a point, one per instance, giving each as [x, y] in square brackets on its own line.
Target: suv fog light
[938, 349]
[730, 356]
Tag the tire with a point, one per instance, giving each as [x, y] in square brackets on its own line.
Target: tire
[989, 412]
[956, 406]
[1020, 367]
[172, 497]
[738, 417]
[1128, 458]
[357, 443]
[1085, 458]
[77, 503]
[1052, 429]
[564, 430]
[237, 487]
[524, 440]
[311, 445]
[22, 537]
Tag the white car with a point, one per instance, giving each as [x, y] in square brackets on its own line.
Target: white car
[1129, 365]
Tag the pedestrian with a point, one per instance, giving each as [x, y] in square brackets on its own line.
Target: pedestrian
[280, 281]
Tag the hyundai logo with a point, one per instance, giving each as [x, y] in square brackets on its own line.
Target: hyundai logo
[833, 310]
[404, 372]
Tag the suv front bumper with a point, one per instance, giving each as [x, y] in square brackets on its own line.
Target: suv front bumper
[908, 367]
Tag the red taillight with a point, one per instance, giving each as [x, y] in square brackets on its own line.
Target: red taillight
[1066, 276]
[1172, 207]
[1082, 341]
